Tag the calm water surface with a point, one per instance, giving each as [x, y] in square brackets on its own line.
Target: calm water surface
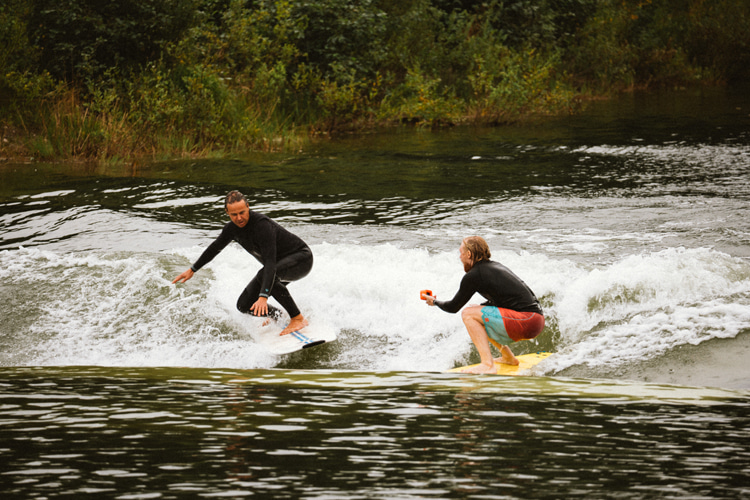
[630, 222]
[176, 433]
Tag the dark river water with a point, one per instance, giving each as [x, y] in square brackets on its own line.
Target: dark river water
[631, 223]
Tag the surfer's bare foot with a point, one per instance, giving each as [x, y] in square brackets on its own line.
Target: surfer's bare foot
[507, 357]
[480, 369]
[295, 324]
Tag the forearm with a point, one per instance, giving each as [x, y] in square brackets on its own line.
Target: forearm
[449, 306]
[461, 298]
[269, 276]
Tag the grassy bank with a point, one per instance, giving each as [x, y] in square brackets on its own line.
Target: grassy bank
[107, 81]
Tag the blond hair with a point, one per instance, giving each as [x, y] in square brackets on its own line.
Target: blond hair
[479, 248]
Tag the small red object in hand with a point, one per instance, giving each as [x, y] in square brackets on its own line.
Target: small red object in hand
[425, 292]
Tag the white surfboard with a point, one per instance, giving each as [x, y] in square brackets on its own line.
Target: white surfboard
[304, 338]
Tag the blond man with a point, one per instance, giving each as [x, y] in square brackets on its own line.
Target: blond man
[510, 314]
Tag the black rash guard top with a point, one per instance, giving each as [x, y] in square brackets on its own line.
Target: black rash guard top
[263, 238]
[498, 285]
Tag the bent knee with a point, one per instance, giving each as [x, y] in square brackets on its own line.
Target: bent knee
[471, 313]
[243, 306]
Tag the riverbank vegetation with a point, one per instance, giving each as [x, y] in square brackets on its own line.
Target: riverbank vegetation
[99, 80]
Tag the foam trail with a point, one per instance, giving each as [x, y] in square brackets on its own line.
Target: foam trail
[120, 309]
[646, 305]
[370, 295]
[117, 310]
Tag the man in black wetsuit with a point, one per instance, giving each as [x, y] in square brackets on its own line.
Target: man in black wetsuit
[285, 258]
[511, 313]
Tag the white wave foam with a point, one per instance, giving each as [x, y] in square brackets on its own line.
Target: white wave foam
[645, 305]
[120, 309]
[182, 202]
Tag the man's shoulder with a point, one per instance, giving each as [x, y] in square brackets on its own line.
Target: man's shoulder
[474, 274]
[490, 270]
[486, 264]
[259, 221]
[254, 216]
[493, 265]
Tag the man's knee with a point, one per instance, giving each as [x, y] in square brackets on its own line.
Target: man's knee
[471, 313]
[242, 306]
[245, 301]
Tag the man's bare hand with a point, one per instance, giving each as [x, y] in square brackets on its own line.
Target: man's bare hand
[184, 277]
[260, 308]
[429, 298]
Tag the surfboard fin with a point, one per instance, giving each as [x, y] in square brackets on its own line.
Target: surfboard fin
[313, 344]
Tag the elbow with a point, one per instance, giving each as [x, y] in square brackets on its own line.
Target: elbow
[448, 308]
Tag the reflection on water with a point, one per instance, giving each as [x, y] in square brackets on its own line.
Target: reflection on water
[291, 434]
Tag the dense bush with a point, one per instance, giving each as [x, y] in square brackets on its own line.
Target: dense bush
[98, 78]
[80, 39]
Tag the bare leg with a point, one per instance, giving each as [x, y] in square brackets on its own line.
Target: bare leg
[295, 324]
[506, 355]
[472, 318]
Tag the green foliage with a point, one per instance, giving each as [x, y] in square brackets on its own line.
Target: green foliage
[13, 35]
[260, 38]
[195, 101]
[19, 83]
[342, 37]
[519, 83]
[604, 58]
[719, 37]
[98, 78]
[650, 43]
[534, 23]
[28, 90]
[419, 99]
[81, 39]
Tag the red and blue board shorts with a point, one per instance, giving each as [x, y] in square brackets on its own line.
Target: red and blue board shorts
[505, 326]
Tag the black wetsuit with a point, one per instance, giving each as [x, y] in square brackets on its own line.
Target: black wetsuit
[498, 285]
[285, 257]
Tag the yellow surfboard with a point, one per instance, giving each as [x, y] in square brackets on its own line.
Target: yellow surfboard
[526, 361]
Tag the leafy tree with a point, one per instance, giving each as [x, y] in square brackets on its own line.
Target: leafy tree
[342, 36]
[81, 39]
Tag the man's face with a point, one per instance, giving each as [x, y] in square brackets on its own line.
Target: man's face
[239, 213]
[465, 257]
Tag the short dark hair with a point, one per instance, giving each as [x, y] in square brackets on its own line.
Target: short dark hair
[479, 248]
[234, 197]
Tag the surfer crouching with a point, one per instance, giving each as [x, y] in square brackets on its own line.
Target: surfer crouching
[511, 313]
[284, 256]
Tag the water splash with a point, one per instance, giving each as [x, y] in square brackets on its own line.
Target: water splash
[120, 309]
